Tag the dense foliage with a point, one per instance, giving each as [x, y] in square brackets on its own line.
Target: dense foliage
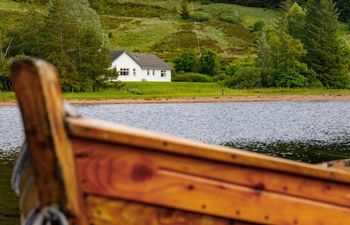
[208, 63]
[69, 36]
[303, 51]
[246, 77]
[186, 62]
[326, 55]
[191, 77]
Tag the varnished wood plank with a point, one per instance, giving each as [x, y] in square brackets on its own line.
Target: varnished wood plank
[99, 130]
[167, 180]
[103, 211]
[39, 96]
[284, 183]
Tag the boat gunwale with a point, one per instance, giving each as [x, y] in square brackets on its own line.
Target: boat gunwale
[116, 133]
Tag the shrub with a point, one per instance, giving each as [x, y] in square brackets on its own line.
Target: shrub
[220, 77]
[200, 17]
[184, 10]
[234, 67]
[231, 18]
[290, 79]
[246, 77]
[258, 26]
[191, 77]
[210, 63]
[186, 62]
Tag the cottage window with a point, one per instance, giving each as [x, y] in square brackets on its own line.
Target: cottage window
[148, 72]
[154, 72]
[134, 71]
[124, 72]
[163, 73]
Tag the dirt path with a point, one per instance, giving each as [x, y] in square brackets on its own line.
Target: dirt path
[288, 98]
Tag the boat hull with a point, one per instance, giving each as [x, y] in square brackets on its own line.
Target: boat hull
[84, 171]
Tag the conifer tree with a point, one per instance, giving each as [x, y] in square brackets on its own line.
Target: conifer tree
[325, 54]
[71, 37]
[296, 21]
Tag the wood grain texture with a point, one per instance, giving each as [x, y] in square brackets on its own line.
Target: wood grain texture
[39, 96]
[207, 187]
[103, 211]
[99, 130]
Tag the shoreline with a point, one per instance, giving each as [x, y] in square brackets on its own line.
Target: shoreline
[223, 99]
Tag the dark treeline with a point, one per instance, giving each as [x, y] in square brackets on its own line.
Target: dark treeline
[342, 5]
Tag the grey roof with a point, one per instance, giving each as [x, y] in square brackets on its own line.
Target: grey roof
[146, 61]
[115, 54]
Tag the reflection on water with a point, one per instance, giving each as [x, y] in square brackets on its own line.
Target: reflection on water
[310, 152]
[309, 132]
[9, 214]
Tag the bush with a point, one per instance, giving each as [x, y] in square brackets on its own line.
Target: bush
[234, 67]
[191, 77]
[290, 79]
[186, 62]
[258, 26]
[231, 18]
[210, 63]
[220, 77]
[184, 10]
[200, 17]
[246, 77]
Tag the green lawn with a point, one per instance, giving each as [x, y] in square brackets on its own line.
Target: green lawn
[6, 96]
[149, 90]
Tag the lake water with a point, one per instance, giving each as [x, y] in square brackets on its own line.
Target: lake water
[311, 131]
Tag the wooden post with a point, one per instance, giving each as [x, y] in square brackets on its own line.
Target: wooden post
[37, 88]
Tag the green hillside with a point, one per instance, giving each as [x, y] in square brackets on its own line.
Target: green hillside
[155, 26]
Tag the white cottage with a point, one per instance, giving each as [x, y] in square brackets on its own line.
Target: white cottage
[140, 67]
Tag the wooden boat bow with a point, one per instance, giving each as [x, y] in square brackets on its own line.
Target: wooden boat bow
[102, 173]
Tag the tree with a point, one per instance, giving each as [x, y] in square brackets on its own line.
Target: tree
[325, 53]
[210, 63]
[295, 20]
[186, 62]
[71, 37]
[184, 10]
[286, 68]
[264, 59]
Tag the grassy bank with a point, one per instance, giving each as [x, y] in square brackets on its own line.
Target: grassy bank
[151, 90]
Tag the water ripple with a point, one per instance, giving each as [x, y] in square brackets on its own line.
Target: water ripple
[244, 125]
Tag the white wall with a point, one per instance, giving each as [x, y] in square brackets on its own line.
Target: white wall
[157, 76]
[125, 61]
